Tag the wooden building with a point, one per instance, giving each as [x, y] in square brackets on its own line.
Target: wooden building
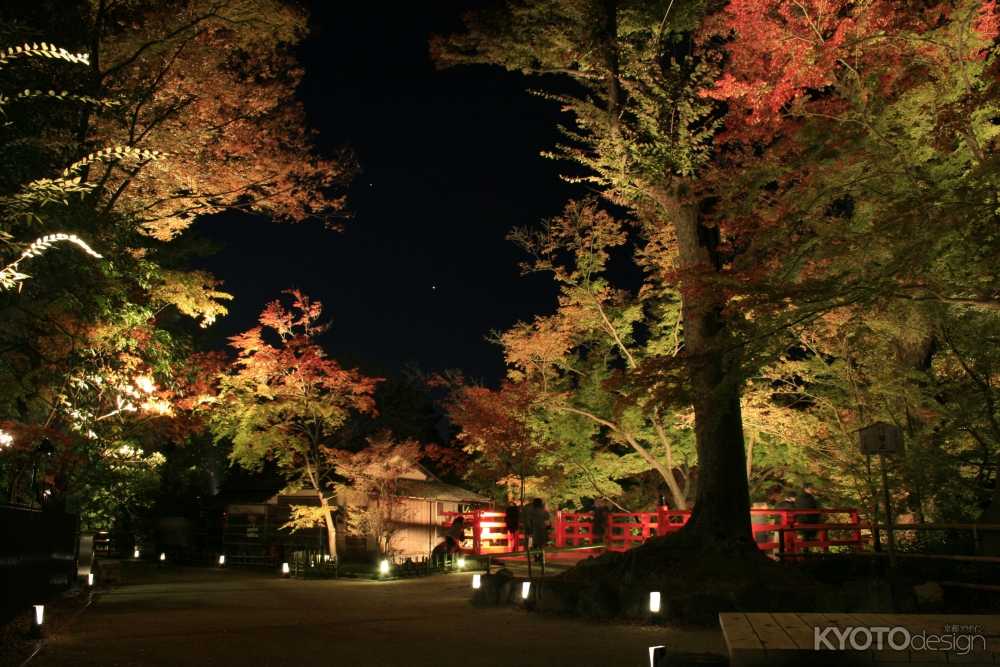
[253, 535]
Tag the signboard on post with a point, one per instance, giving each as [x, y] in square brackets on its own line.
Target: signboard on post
[881, 438]
[885, 440]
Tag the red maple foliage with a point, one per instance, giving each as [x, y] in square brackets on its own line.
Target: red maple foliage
[782, 55]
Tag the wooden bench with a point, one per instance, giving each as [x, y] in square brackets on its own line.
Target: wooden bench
[790, 639]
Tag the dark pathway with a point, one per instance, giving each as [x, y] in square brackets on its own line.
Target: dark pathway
[205, 617]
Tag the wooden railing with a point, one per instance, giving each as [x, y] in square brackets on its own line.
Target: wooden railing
[783, 531]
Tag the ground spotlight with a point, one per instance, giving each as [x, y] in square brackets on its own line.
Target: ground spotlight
[525, 589]
[654, 601]
[477, 581]
[383, 567]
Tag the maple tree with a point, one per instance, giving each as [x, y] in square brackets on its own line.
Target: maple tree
[371, 476]
[152, 115]
[644, 134]
[875, 135]
[86, 372]
[496, 431]
[284, 400]
[584, 359]
[201, 95]
[782, 161]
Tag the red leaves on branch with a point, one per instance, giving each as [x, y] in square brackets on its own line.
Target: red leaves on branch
[297, 367]
[783, 55]
[495, 424]
[779, 52]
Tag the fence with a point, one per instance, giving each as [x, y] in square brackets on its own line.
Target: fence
[786, 532]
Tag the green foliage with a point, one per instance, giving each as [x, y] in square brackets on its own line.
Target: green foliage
[286, 402]
[85, 365]
[848, 191]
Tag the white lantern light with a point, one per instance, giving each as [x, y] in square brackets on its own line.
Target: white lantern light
[461, 562]
[285, 570]
[39, 615]
[383, 567]
[654, 601]
[163, 556]
[90, 579]
[525, 589]
[135, 552]
[222, 559]
[655, 653]
[477, 581]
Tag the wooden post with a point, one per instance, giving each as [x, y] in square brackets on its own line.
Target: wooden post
[876, 534]
[890, 534]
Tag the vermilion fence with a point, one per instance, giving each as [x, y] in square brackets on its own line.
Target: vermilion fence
[786, 531]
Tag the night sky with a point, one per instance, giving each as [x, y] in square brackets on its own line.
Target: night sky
[449, 164]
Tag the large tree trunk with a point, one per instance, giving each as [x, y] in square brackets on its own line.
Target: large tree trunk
[721, 515]
[331, 527]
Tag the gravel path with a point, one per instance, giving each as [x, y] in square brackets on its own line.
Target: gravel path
[216, 617]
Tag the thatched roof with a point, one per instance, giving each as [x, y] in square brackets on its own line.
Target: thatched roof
[435, 489]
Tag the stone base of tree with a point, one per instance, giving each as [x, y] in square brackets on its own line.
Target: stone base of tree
[695, 585]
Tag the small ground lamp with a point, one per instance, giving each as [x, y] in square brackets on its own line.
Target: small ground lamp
[461, 562]
[163, 557]
[135, 553]
[657, 655]
[383, 567]
[90, 579]
[525, 589]
[654, 602]
[477, 581]
[222, 559]
[285, 570]
[37, 620]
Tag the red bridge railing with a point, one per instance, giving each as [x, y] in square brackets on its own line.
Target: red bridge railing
[784, 531]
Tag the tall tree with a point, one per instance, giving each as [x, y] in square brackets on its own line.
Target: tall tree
[212, 83]
[585, 359]
[153, 114]
[283, 400]
[871, 180]
[85, 368]
[848, 124]
[644, 133]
